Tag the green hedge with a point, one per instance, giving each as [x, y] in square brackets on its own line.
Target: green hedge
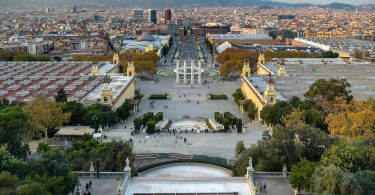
[150, 127]
[218, 96]
[158, 96]
[158, 116]
[138, 123]
[239, 125]
[226, 124]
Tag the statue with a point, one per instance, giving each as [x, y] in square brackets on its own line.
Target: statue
[284, 168]
[91, 167]
[127, 162]
[250, 163]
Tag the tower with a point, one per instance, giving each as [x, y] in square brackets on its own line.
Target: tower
[261, 58]
[130, 70]
[281, 68]
[168, 15]
[152, 16]
[95, 70]
[106, 94]
[269, 96]
[246, 71]
[116, 58]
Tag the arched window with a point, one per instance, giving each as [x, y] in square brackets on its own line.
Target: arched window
[130, 73]
[271, 99]
[246, 74]
[105, 99]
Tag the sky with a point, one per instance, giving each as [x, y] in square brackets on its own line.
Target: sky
[353, 2]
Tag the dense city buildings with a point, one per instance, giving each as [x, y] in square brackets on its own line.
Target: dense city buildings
[156, 97]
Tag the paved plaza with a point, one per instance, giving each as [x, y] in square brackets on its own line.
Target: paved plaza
[101, 185]
[213, 144]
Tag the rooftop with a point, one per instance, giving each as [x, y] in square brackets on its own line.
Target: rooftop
[118, 84]
[301, 76]
[75, 131]
[260, 84]
[240, 36]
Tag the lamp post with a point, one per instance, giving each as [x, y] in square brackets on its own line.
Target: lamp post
[94, 119]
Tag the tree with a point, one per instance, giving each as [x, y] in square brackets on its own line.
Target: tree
[124, 110]
[347, 157]
[295, 119]
[312, 142]
[57, 58]
[77, 112]
[366, 180]
[325, 93]
[273, 114]
[333, 180]
[358, 55]
[13, 122]
[251, 109]
[61, 96]
[330, 54]
[44, 115]
[32, 188]
[301, 174]
[240, 147]
[150, 127]
[356, 118]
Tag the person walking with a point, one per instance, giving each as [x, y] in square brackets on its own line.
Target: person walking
[90, 184]
[87, 186]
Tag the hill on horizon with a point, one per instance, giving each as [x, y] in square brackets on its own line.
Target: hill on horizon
[68, 4]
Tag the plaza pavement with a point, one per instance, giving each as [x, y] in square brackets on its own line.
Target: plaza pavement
[212, 144]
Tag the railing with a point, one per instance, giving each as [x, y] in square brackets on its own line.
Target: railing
[270, 174]
[101, 174]
[177, 157]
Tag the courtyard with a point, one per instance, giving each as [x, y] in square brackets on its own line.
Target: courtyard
[183, 102]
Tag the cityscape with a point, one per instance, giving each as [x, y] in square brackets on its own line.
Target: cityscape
[216, 97]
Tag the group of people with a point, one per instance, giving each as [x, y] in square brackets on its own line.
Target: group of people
[261, 187]
[88, 188]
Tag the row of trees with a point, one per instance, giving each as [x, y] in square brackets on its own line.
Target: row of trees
[228, 119]
[6, 55]
[143, 62]
[148, 119]
[232, 60]
[107, 156]
[326, 140]
[249, 108]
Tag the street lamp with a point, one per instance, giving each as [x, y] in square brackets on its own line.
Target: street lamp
[94, 119]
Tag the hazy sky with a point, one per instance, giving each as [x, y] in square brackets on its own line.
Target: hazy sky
[353, 2]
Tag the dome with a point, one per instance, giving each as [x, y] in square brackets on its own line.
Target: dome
[146, 37]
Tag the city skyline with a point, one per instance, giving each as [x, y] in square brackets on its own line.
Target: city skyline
[177, 3]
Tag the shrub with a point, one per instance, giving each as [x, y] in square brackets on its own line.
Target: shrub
[218, 96]
[150, 127]
[158, 116]
[138, 123]
[226, 124]
[158, 96]
[237, 95]
[239, 125]
[148, 116]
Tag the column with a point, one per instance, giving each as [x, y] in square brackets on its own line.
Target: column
[185, 72]
[192, 72]
[177, 72]
[199, 72]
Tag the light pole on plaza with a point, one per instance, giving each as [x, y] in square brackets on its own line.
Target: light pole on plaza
[94, 119]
